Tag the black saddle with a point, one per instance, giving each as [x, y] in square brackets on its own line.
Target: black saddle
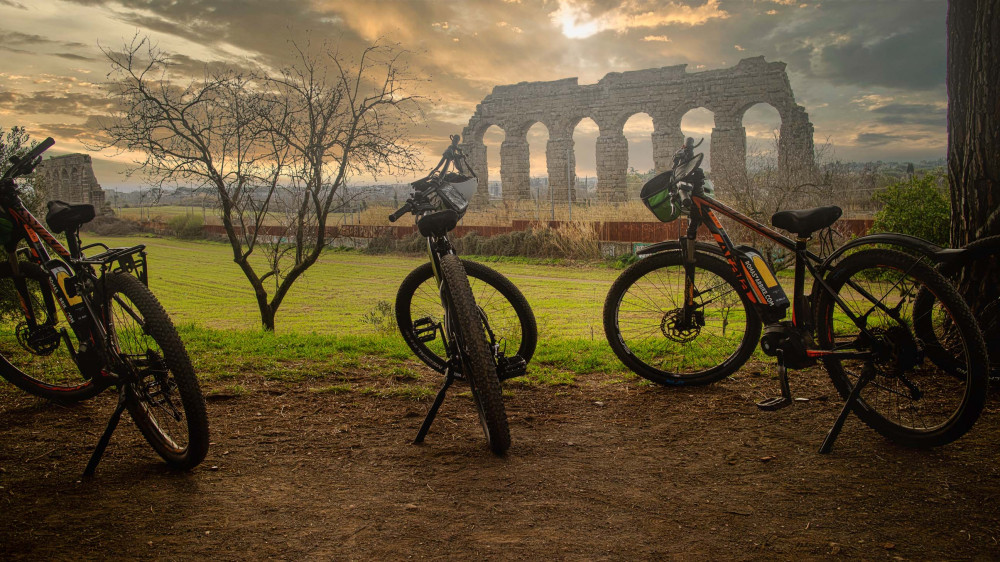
[66, 217]
[805, 222]
[437, 223]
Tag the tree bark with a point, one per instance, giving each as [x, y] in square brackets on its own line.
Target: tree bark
[974, 118]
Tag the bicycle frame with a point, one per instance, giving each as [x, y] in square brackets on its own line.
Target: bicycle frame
[703, 210]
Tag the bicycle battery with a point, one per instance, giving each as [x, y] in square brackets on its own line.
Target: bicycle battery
[764, 284]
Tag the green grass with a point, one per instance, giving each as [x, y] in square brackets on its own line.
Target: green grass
[321, 335]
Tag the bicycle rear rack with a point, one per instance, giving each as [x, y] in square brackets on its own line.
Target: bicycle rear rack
[130, 260]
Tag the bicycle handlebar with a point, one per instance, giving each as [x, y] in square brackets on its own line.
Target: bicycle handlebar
[26, 164]
[400, 212]
[684, 192]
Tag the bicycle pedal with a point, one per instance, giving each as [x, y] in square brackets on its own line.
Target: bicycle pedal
[776, 403]
[511, 367]
[425, 329]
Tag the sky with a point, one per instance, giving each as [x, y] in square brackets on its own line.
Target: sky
[870, 73]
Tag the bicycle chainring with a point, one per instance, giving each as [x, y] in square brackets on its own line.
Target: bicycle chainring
[40, 340]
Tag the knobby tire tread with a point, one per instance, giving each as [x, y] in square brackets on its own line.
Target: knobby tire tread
[479, 368]
[161, 329]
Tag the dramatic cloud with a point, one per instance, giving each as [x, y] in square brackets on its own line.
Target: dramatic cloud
[870, 74]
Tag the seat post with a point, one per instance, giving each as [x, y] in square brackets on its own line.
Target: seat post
[799, 314]
[73, 241]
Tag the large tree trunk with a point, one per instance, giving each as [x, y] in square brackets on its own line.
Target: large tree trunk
[974, 118]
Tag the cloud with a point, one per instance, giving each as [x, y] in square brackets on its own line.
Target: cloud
[911, 114]
[55, 103]
[577, 20]
[870, 139]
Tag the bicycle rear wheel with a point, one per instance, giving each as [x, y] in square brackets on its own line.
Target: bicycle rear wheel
[38, 360]
[910, 398]
[465, 328]
[163, 395]
[507, 312]
[644, 324]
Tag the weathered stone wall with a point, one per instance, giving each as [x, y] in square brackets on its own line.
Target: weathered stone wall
[71, 178]
[665, 94]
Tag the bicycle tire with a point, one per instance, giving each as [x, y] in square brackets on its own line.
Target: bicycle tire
[644, 301]
[985, 307]
[161, 376]
[909, 389]
[506, 310]
[469, 335]
[54, 375]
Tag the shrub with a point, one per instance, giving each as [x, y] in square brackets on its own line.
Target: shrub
[186, 226]
[107, 225]
[918, 207]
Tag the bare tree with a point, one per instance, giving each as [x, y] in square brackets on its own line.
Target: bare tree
[275, 147]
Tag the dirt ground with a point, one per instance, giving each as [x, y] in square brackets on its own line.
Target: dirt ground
[603, 469]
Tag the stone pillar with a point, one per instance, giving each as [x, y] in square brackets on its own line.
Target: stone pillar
[561, 164]
[515, 169]
[729, 154]
[667, 138]
[796, 154]
[612, 166]
[475, 153]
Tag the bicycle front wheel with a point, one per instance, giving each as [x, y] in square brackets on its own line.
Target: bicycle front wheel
[505, 311]
[468, 335]
[163, 395]
[645, 326]
[38, 359]
[910, 398]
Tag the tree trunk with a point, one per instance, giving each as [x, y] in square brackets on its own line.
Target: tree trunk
[974, 118]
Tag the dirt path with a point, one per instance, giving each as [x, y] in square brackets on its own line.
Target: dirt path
[602, 469]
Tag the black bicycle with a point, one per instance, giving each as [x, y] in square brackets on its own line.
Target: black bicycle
[692, 313]
[459, 317]
[981, 259]
[83, 324]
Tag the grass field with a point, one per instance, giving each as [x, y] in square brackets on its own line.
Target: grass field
[321, 319]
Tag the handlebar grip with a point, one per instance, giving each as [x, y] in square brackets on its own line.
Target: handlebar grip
[400, 212]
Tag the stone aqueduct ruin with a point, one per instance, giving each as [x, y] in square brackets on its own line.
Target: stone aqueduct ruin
[665, 94]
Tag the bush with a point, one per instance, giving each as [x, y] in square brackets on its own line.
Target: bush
[107, 225]
[918, 207]
[186, 226]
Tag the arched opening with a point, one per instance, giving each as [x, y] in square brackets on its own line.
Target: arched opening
[698, 123]
[762, 124]
[492, 139]
[638, 130]
[585, 154]
[538, 173]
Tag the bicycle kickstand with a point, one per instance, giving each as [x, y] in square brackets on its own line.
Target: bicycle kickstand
[102, 444]
[432, 413]
[778, 402]
[866, 376]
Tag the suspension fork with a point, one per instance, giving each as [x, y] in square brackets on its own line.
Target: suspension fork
[689, 258]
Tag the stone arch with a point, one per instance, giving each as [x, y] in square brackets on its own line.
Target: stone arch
[762, 122]
[663, 93]
[583, 135]
[537, 138]
[699, 122]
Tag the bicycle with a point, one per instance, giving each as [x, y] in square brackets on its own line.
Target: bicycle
[458, 316]
[956, 264]
[87, 323]
[691, 313]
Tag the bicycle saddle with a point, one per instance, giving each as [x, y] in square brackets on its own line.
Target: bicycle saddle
[437, 223]
[66, 217]
[806, 221]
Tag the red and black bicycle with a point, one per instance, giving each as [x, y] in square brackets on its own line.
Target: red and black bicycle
[82, 324]
[692, 313]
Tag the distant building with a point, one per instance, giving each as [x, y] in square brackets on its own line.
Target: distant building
[71, 178]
